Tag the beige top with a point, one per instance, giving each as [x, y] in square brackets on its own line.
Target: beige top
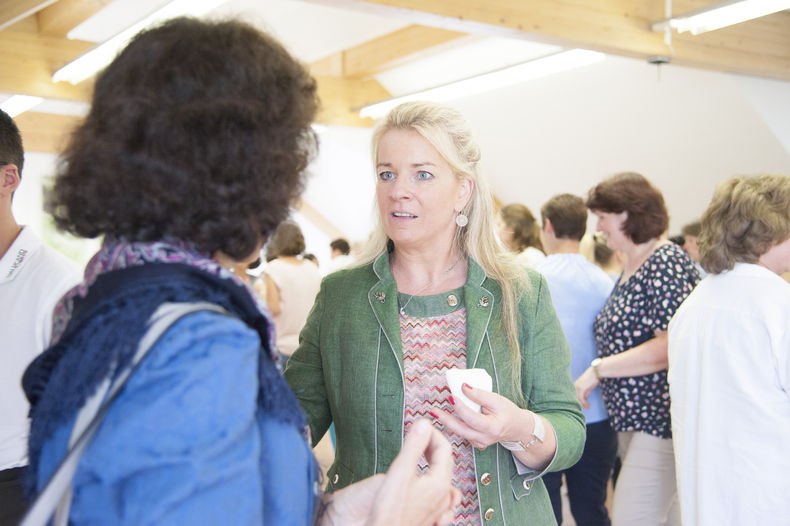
[298, 284]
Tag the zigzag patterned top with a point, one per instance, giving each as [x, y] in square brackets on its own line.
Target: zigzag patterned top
[431, 345]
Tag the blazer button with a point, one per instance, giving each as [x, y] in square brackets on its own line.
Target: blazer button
[489, 514]
[485, 479]
[335, 478]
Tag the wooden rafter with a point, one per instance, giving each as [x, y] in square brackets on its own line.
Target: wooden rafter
[64, 15]
[13, 11]
[385, 52]
[759, 47]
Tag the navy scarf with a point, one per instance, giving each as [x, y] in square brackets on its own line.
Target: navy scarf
[106, 326]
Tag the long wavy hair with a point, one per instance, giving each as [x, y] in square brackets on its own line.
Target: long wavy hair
[449, 133]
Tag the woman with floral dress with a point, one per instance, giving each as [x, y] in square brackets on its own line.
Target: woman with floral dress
[630, 332]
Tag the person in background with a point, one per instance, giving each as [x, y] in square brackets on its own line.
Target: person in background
[690, 236]
[520, 233]
[340, 255]
[309, 256]
[194, 149]
[630, 334]
[436, 290]
[729, 361]
[579, 290]
[291, 285]
[33, 277]
[610, 261]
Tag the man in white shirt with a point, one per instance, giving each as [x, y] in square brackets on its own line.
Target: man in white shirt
[729, 362]
[579, 290]
[33, 277]
[340, 255]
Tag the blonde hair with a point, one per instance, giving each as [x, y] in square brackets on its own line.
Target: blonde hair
[449, 133]
[745, 218]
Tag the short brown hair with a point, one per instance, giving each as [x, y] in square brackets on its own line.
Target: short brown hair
[745, 218]
[526, 232]
[287, 240]
[567, 214]
[632, 192]
[11, 150]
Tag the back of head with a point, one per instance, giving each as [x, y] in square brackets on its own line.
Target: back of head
[11, 149]
[633, 193]
[692, 229]
[526, 231]
[287, 240]
[198, 131]
[341, 245]
[745, 218]
[568, 216]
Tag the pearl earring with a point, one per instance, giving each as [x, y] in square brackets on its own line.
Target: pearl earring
[461, 219]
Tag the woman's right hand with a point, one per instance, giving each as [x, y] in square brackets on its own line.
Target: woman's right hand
[584, 386]
[402, 497]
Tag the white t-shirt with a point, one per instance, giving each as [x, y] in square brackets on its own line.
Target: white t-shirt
[339, 262]
[729, 381]
[298, 285]
[33, 277]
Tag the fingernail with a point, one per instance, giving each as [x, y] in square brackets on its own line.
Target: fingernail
[467, 385]
[419, 427]
[433, 414]
[452, 400]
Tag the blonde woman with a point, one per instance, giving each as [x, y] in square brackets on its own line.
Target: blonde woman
[435, 291]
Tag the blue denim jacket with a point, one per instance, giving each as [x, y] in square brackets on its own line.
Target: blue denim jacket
[187, 443]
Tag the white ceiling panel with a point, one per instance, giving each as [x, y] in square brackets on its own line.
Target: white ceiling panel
[461, 59]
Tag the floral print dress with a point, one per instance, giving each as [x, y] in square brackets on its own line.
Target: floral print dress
[635, 309]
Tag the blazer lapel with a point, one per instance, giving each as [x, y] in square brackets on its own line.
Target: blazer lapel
[480, 303]
[383, 299]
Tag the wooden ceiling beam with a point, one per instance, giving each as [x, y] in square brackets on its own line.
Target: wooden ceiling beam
[45, 132]
[28, 61]
[12, 11]
[341, 99]
[64, 15]
[618, 27]
[385, 52]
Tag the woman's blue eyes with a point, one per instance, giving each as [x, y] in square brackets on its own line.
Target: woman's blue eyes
[421, 175]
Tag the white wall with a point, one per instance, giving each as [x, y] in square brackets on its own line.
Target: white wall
[686, 131]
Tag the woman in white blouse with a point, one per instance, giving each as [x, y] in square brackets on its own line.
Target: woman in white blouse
[729, 361]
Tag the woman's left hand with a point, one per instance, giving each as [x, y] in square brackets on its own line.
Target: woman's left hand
[500, 420]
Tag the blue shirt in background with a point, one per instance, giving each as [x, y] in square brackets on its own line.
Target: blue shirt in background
[578, 290]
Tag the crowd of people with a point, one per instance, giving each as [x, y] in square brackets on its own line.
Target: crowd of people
[172, 384]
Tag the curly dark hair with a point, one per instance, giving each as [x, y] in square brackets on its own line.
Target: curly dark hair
[633, 193]
[198, 131]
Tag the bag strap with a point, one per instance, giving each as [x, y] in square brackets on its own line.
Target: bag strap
[55, 498]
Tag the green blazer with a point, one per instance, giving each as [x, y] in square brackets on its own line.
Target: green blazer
[349, 369]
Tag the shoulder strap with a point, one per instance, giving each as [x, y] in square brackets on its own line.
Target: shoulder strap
[55, 498]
